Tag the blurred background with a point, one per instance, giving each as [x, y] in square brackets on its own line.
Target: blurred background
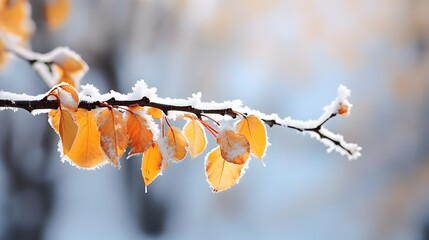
[286, 57]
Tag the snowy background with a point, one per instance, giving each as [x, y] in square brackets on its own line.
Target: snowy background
[277, 56]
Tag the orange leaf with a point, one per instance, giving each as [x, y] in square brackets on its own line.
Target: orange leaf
[62, 121]
[254, 131]
[113, 132]
[234, 147]
[86, 151]
[70, 90]
[140, 137]
[69, 67]
[65, 78]
[15, 18]
[196, 136]
[343, 110]
[222, 174]
[54, 119]
[70, 64]
[151, 164]
[67, 96]
[178, 142]
[156, 113]
[56, 12]
[2, 54]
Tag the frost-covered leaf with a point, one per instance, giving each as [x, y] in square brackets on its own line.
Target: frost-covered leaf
[69, 64]
[156, 113]
[56, 12]
[2, 53]
[15, 19]
[63, 122]
[69, 67]
[196, 136]
[140, 137]
[113, 132]
[234, 147]
[220, 173]
[254, 131]
[151, 163]
[86, 151]
[177, 141]
[54, 118]
[66, 67]
[343, 110]
[62, 119]
[67, 96]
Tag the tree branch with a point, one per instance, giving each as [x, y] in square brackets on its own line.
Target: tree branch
[44, 103]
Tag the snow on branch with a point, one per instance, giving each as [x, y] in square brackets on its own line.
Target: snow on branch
[144, 96]
[59, 65]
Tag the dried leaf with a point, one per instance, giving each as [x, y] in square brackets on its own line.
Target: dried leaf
[344, 110]
[65, 78]
[196, 136]
[113, 132]
[86, 151]
[68, 96]
[56, 12]
[151, 163]
[177, 141]
[2, 53]
[255, 132]
[63, 122]
[69, 69]
[222, 174]
[15, 18]
[156, 113]
[140, 136]
[70, 64]
[54, 119]
[234, 147]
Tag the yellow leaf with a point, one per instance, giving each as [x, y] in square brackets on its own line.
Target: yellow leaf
[54, 120]
[2, 54]
[69, 69]
[221, 174]
[65, 78]
[56, 12]
[156, 113]
[62, 119]
[178, 142]
[255, 132]
[86, 151]
[68, 130]
[70, 64]
[196, 136]
[151, 163]
[140, 137]
[64, 124]
[66, 95]
[15, 18]
[234, 147]
[113, 132]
